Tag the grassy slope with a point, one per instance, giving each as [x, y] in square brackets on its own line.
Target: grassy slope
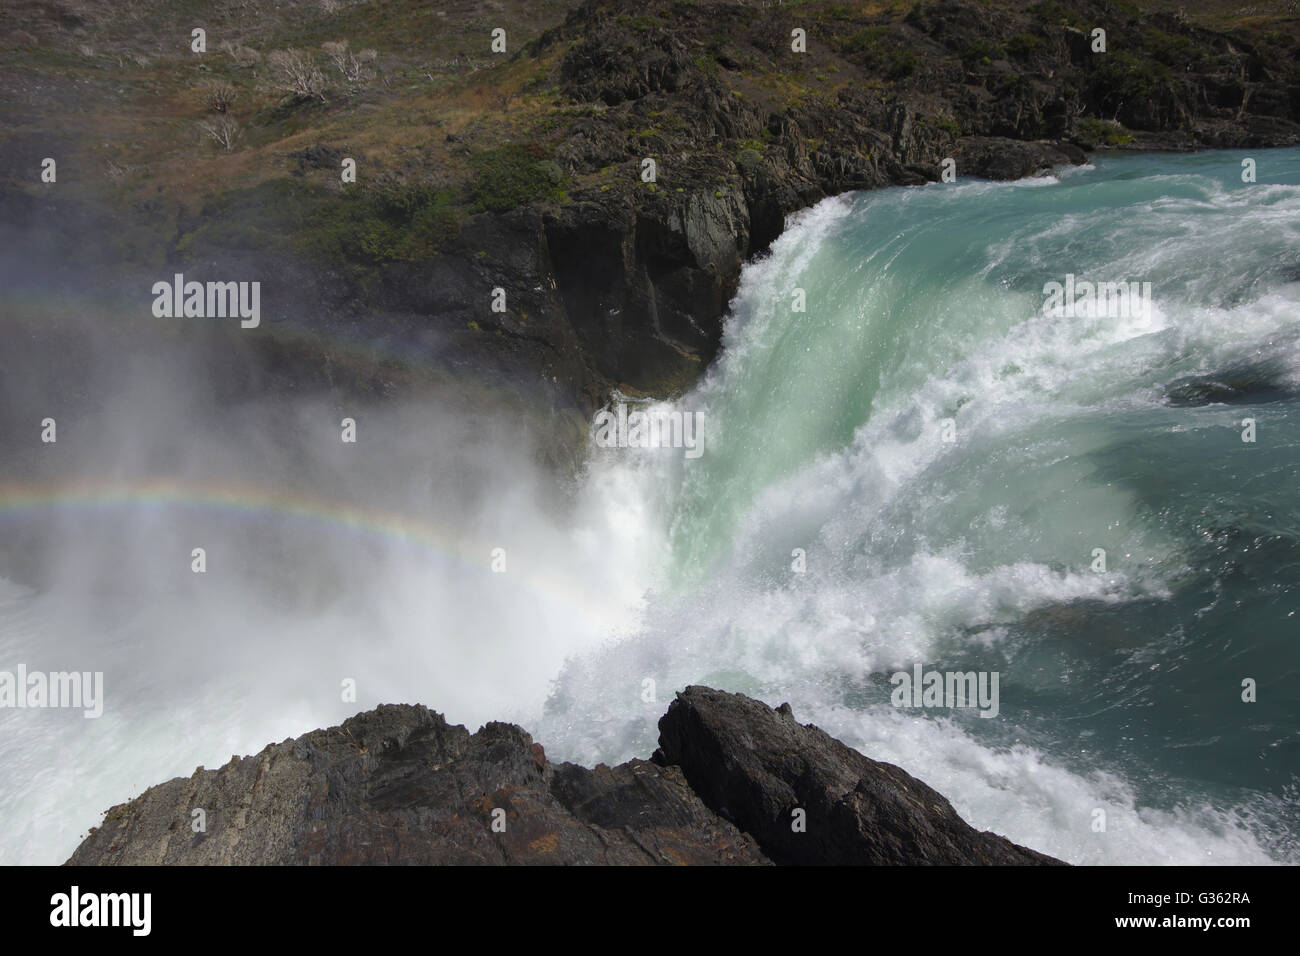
[111, 89]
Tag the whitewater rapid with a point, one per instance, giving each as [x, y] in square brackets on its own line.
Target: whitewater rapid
[825, 447]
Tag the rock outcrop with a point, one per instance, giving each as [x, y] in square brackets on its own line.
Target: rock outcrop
[399, 785]
[615, 280]
[757, 766]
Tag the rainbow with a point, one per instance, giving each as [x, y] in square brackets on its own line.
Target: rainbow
[244, 502]
[342, 346]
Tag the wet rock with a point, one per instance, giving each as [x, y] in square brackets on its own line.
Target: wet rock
[1244, 385]
[1006, 159]
[762, 766]
[399, 785]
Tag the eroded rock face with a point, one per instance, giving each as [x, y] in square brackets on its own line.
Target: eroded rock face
[624, 284]
[994, 158]
[756, 766]
[399, 785]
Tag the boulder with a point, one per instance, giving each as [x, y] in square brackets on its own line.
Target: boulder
[399, 785]
[757, 766]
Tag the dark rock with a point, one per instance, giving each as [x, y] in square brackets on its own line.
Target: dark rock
[616, 64]
[1253, 384]
[1006, 159]
[624, 285]
[316, 157]
[761, 765]
[399, 785]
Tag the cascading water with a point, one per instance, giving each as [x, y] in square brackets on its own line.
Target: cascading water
[1120, 691]
[940, 458]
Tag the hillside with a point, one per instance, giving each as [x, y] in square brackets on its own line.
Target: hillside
[523, 170]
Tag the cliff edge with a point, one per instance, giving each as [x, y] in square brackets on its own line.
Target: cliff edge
[734, 782]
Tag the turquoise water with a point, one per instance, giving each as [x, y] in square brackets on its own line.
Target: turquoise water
[1120, 691]
[826, 435]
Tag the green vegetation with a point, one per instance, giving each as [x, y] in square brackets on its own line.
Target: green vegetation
[864, 40]
[1022, 46]
[359, 226]
[264, 216]
[640, 23]
[509, 176]
[1103, 133]
[1178, 52]
[947, 124]
[878, 50]
[749, 159]
[1129, 77]
[383, 223]
[1054, 13]
[981, 50]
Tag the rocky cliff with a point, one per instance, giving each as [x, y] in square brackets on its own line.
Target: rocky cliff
[525, 171]
[734, 782]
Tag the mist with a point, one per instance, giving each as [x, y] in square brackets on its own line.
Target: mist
[433, 560]
[450, 557]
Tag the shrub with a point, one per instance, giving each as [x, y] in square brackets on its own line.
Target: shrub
[384, 222]
[865, 40]
[947, 124]
[297, 74]
[879, 52]
[509, 176]
[1178, 52]
[1103, 133]
[357, 228]
[220, 95]
[223, 130]
[749, 159]
[981, 50]
[900, 63]
[354, 67]
[244, 57]
[1052, 12]
[1022, 46]
[269, 215]
[1125, 77]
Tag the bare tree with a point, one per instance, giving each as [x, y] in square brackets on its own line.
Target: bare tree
[298, 74]
[224, 130]
[220, 95]
[355, 67]
[245, 57]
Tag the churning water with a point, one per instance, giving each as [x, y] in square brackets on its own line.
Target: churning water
[941, 458]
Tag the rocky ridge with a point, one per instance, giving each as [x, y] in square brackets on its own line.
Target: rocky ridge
[399, 785]
[613, 282]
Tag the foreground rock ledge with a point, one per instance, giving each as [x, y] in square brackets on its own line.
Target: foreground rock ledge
[400, 785]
